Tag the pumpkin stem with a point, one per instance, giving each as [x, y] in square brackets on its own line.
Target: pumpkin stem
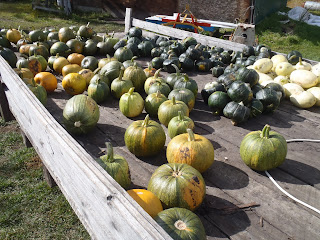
[88, 24]
[300, 61]
[173, 100]
[77, 124]
[190, 135]
[97, 71]
[180, 116]
[186, 77]
[177, 69]
[146, 121]
[109, 151]
[265, 131]
[134, 58]
[180, 225]
[131, 90]
[158, 94]
[156, 75]
[121, 73]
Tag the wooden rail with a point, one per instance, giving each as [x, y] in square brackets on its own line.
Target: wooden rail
[102, 205]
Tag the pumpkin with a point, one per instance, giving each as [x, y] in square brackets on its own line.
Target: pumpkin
[293, 57]
[70, 68]
[188, 83]
[217, 101]
[60, 48]
[303, 99]
[4, 42]
[65, 34]
[75, 46]
[147, 200]
[203, 64]
[282, 80]
[182, 224]
[37, 35]
[256, 107]
[89, 62]
[135, 32]
[278, 88]
[39, 91]
[263, 150]
[87, 74]
[248, 76]
[169, 109]
[136, 75]
[210, 88]
[169, 62]
[145, 48]
[131, 104]
[75, 58]
[159, 86]
[237, 112]
[269, 98]
[111, 70]
[42, 60]
[53, 36]
[217, 71]
[178, 185]
[131, 62]
[150, 71]
[302, 65]
[120, 85]
[90, 48]
[151, 80]
[145, 137]
[174, 77]
[80, 114]
[284, 69]
[157, 62]
[85, 31]
[47, 80]
[316, 93]
[74, 83]
[240, 91]
[104, 61]
[123, 54]
[39, 50]
[304, 78]
[179, 125]
[51, 61]
[187, 63]
[24, 73]
[34, 65]
[116, 166]
[59, 63]
[184, 95]
[13, 35]
[263, 65]
[98, 90]
[152, 103]
[9, 56]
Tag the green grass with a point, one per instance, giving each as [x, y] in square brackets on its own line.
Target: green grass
[29, 208]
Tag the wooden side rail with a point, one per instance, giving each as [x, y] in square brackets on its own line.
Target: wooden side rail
[104, 208]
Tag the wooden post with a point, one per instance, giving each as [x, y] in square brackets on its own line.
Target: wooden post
[47, 176]
[4, 105]
[25, 139]
[128, 20]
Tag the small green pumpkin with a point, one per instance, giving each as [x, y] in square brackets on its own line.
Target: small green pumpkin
[179, 125]
[152, 103]
[131, 104]
[169, 109]
[136, 75]
[123, 54]
[263, 150]
[269, 98]
[237, 112]
[160, 86]
[151, 80]
[174, 77]
[247, 75]
[120, 86]
[217, 101]
[111, 69]
[184, 95]
[240, 91]
[98, 90]
[188, 83]
[39, 91]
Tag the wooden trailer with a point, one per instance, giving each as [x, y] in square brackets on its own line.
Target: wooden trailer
[239, 204]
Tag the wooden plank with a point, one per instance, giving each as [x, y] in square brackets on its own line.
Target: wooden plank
[4, 106]
[105, 209]
[181, 34]
[47, 177]
[128, 20]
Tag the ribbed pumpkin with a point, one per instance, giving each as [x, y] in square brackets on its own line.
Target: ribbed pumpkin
[192, 149]
[34, 65]
[51, 60]
[75, 58]
[90, 48]
[147, 200]
[98, 90]
[173, 77]
[111, 69]
[70, 68]
[39, 91]
[182, 224]
[184, 95]
[39, 50]
[61, 48]
[256, 107]
[188, 83]
[123, 54]
[263, 150]
[131, 104]
[65, 34]
[87, 74]
[47, 80]
[169, 109]
[120, 85]
[240, 92]
[145, 137]
[237, 112]
[74, 83]
[269, 98]
[150, 71]
[75, 45]
[178, 185]
[90, 62]
[80, 114]
[217, 101]
[248, 76]
[136, 75]
[179, 125]
[152, 80]
[152, 103]
[117, 167]
[159, 86]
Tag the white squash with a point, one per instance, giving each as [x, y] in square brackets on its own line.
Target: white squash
[316, 93]
[263, 65]
[304, 78]
[264, 77]
[284, 69]
[276, 59]
[281, 80]
[265, 83]
[302, 65]
[211, 85]
[250, 67]
[304, 99]
[272, 74]
[316, 69]
[292, 88]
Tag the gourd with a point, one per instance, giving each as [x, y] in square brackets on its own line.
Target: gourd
[304, 78]
[80, 114]
[316, 93]
[237, 112]
[59, 63]
[263, 150]
[303, 99]
[75, 46]
[159, 86]
[74, 83]
[276, 59]
[123, 54]
[131, 104]
[169, 109]
[269, 98]
[75, 58]
[116, 166]
[136, 75]
[178, 185]
[282, 80]
[145, 138]
[179, 125]
[293, 57]
[248, 76]
[217, 101]
[284, 69]
[46, 80]
[152, 103]
[98, 90]
[120, 86]
[263, 65]
[240, 91]
[89, 62]
[192, 149]
[302, 65]
[111, 69]
[292, 88]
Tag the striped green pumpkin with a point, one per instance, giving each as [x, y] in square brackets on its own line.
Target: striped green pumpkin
[170, 108]
[131, 104]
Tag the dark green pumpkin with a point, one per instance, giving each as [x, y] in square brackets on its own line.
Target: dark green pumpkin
[248, 51]
[211, 88]
[269, 98]
[153, 102]
[217, 101]
[293, 57]
[98, 90]
[131, 104]
[217, 71]
[120, 85]
[159, 86]
[37, 35]
[85, 31]
[157, 62]
[203, 65]
[116, 166]
[179, 125]
[90, 48]
[232, 68]
[4, 42]
[177, 47]
[227, 79]
[169, 62]
[237, 112]
[247, 75]
[135, 32]
[188, 83]
[187, 64]
[60, 48]
[194, 52]
[145, 138]
[106, 45]
[256, 107]
[134, 40]
[278, 88]
[136, 75]
[240, 92]
[131, 62]
[75, 45]
[111, 69]
[100, 78]
[156, 52]
[9, 56]
[134, 48]
[89, 62]
[225, 57]
[65, 34]
[145, 48]
[53, 36]
[188, 41]
[169, 109]
[174, 77]
[184, 95]
[256, 88]
[263, 150]
[120, 43]
[123, 54]
[80, 114]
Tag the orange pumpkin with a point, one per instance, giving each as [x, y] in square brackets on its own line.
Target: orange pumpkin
[59, 63]
[24, 49]
[87, 74]
[147, 200]
[46, 80]
[70, 68]
[75, 58]
[150, 71]
[13, 35]
[74, 83]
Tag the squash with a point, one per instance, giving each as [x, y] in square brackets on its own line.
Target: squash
[4, 42]
[147, 200]
[135, 32]
[120, 85]
[316, 70]
[181, 223]
[174, 77]
[65, 34]
[13, 35]
[59, 63]
[217, 101]
[145, 138]
[75, 46]
[60, 48]
[263, 65]
[131, 62]
[116, 166]
[98, 90]
[85, 31]
[136, 75]
[178, 185]
[169, 109]
[188, 83]
[264, 78]
[293, 57]
[179, 125]
[24, 73]
[237, 112]
[41, 59]
[80, 114]
[263, 150]
[90, 48]
[39, 91]
[111, 70]
[159, 86]
[316, 93]
[46, 80]
[70, 68]
[304, 78]
[217, 71]
[192, 149]
[247, 75]
[292, 88]
[303, 99]
[150, 71]
[211, 88]
[302, 65]
[145, 48]
[131, 104]
[87, 74]
[89, 62]
[123, 54]
[151, 80]
[152, 103]
[185, 95]
[39, 50]
[256, 107]
[240, 92]
[276, 59]
[74, 83]
[269, 98]
[284, 69]
[282, 80]
[104, 61]
[75, 58]
[9, 56]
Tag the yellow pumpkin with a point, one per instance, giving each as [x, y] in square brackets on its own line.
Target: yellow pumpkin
[34, 65]
[46, 80]
[13, 35]
[147, 200]
[59, 63]
[75, 58]
[74, 83]
[70, 68]
[24, 73]
[24, 49]
[87, 74]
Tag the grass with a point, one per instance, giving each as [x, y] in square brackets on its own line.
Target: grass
[29, 208]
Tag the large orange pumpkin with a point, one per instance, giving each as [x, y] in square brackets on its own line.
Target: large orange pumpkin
[147, 200]
[75, 58]
[74, 83]
[70, 68]
[59, 63]
[46, 80]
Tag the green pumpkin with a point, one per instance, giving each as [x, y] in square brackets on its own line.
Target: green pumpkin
[37, 35]
[136, 75]
[153, 102]
[256, 107]
[269, 98]
[116, 166]
[90, 48]
[53, 36]
[188, 83]
[111, 69]
[123, 54]
[131, 104]
[120, 85]
[39, 50]
[75, 45]
[174, 77]
[217, 71]
[248, 76]
[42, 60]
[184, 95]
[85, 31]
[217, 101]
[182, 224]
[211, 88]
[4, 42]
[248, 51]
[278, 88]
[39, 91]
[293, 57]
[203, 65]
[237, 112]
[188, 41]
[101, 78]
[51, 60]
[89, 62]
[157, 62]
[159, 86]
[80, 114]
[145, 48]
[60, 48]
[131, 62]
[9, 56]
[106, 46]
[135, 32]
[178, 185]
[170, 109]
[151, 80]
[145, 138]
[179, 125]
[134, 48]
[98, 90]
[65, 34]
[263, 150]
[169, 62]
[240, 91]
